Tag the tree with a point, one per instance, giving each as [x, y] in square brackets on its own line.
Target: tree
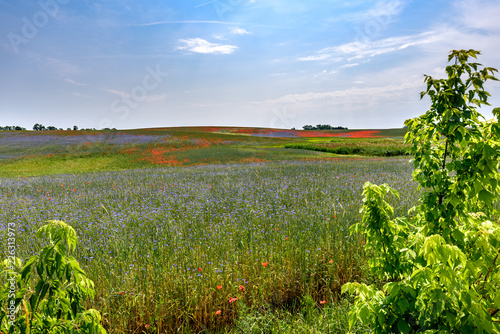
[440, 263]
[75, 128]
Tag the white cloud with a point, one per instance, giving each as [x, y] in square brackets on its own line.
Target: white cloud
[367, 49]
[317, 57]
[219, 37]
[360, 95]
[199, 45]
[349, 65]
[76, 83]
[382, 13]
[239, 31]
[325, 72]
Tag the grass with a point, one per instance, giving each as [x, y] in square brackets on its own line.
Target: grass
[370, 147]
[246, 237]
[159, 242]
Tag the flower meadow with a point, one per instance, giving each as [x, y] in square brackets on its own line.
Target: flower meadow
[187, 249]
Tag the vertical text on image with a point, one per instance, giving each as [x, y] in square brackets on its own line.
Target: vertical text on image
[11, 259]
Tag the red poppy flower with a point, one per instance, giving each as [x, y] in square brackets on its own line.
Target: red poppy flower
[233, 299]
[265, 264]
[218, 312]
[219, 287]
[242, 288]
[322, 302]
[199, 269]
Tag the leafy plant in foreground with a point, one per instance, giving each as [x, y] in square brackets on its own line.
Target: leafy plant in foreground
[47, 294]
[440, 265]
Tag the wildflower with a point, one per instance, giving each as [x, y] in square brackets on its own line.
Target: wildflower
[265, 264]
[199, 269]
[121, 293]
[147, 325]
[242, 288]
[218, 312]
[233, 299]
[322, 302]
[331, 261]
[219, 287]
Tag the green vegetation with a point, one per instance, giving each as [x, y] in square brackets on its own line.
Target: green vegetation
[371, 147]
[60, 152]
[47, 293]
[252, 236]
[440, 265]
[279, 229]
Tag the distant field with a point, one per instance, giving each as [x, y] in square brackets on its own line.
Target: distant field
[31, 153]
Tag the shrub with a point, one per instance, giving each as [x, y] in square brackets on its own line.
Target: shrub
[440, 265]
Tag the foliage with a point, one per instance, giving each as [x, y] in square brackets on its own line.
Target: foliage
[373, 147]
[440, 264]
[47, 294]
[12, 128]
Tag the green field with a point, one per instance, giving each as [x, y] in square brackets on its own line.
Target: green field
[192, 230]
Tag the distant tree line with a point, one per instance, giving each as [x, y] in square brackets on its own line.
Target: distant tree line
[323, 127]
[41, 127]
[12, 128]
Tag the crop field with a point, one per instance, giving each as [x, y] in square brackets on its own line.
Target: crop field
[199, 248]
[31, 153]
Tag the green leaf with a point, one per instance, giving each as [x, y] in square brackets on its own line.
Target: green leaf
[403, 327]
[403, 304]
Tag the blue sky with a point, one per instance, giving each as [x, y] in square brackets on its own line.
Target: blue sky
[267, 63]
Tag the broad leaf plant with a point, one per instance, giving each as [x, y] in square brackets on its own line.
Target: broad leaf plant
[438, 270]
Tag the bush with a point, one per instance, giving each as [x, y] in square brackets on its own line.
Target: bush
[439, 265]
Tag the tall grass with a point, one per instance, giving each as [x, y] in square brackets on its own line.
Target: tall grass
[169, 249]
[371, 147]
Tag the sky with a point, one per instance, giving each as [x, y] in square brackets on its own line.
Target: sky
[261, 63]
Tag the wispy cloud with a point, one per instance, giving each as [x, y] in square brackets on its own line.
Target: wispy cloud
[325, 72]
[199, 45]
[239, 31]
[206, 3]
[178, 22]
[367, 49]
[383, 12]
[349, 65]
[76, 83]
[361, 95]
